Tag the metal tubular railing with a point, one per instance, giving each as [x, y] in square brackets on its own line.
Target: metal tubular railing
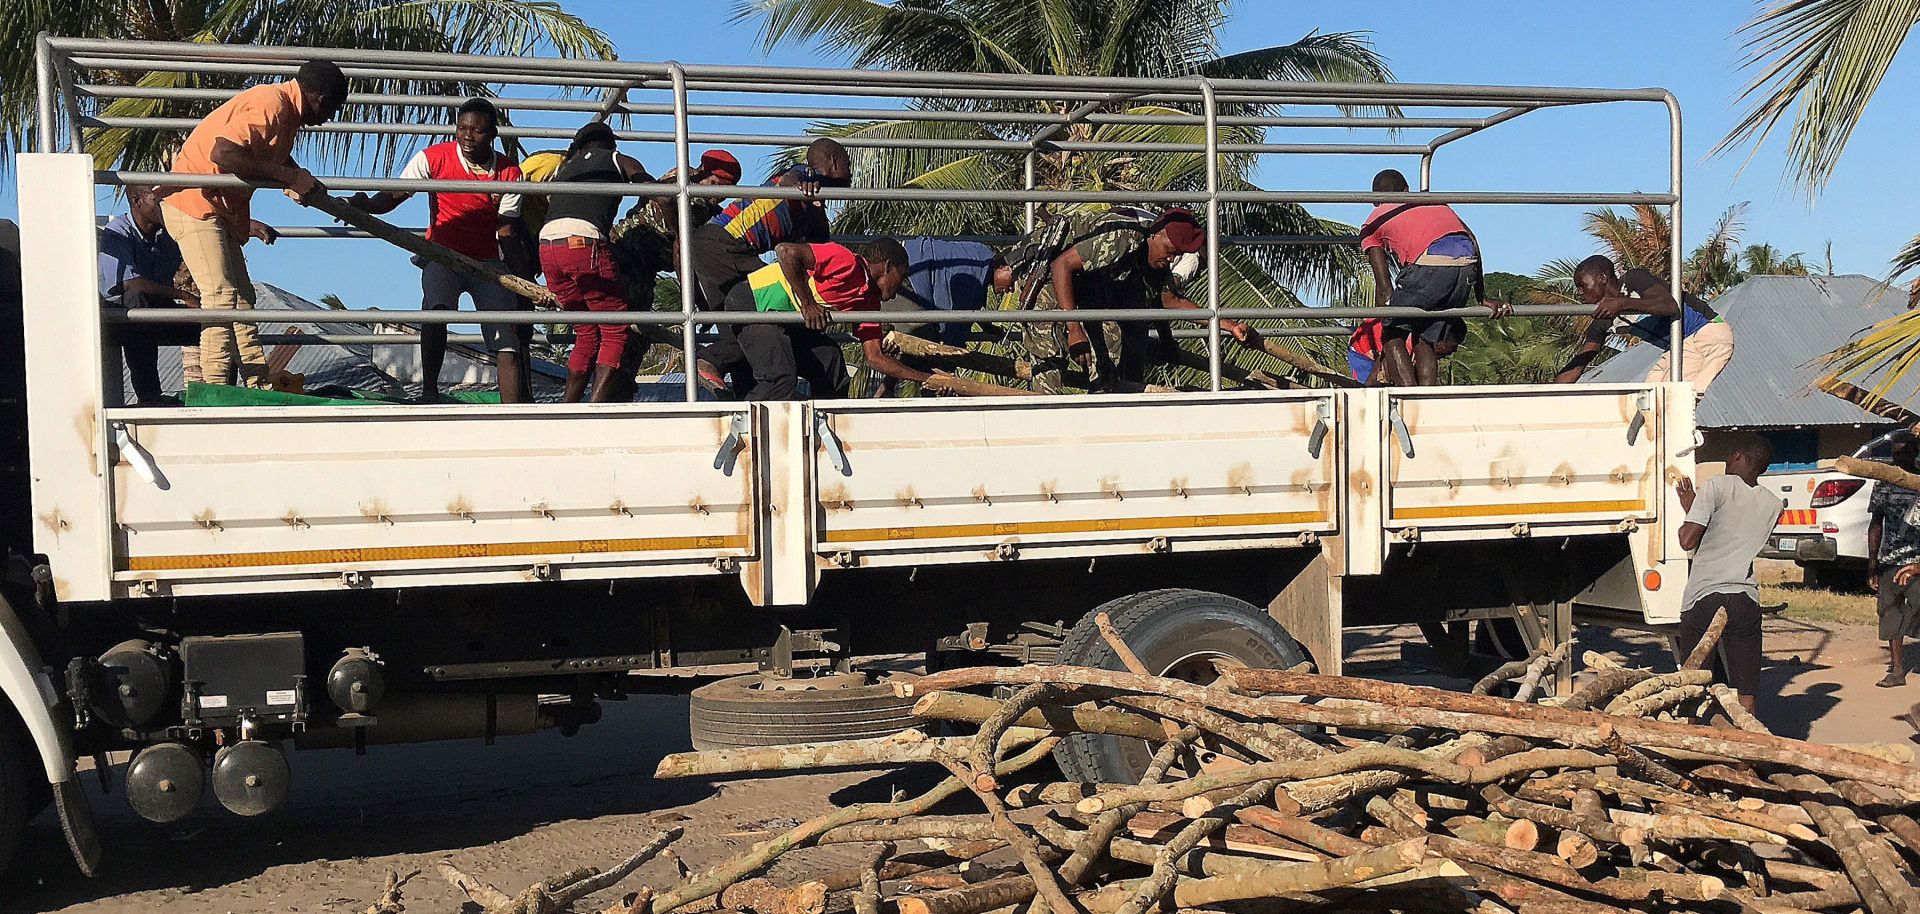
[1196, 101]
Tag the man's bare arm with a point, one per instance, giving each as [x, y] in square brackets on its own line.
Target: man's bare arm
[1382, 276]
[796, 264]
[1690, 534]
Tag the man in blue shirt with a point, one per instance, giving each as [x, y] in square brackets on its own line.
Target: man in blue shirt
[1641, 305]
[954, 276]
[138, 262]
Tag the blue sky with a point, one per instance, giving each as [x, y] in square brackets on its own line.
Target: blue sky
[1687, 47]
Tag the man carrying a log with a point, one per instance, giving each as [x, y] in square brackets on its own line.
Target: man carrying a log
[577, 256]
[250, 136]
[947, 275]
[1893, 543]
[1728, 520]
[812, 279]
[1108, 260]
[1440, 270]
[483, 226]
[1706, 338]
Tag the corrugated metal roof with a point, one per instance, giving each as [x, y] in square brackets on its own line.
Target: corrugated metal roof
[1782, 325]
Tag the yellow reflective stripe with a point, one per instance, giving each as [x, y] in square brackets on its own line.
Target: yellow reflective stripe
[1431, 512]
[405, 553]
[1098, 525]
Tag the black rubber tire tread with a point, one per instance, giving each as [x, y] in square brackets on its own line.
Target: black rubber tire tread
[730, 714]
[19, 767]
[1160, 626]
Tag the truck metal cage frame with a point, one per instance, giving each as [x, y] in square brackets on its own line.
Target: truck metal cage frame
[66, 92]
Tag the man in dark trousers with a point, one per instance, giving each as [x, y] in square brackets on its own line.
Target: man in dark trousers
[1440, 270]
[812, 279]
[1728, 520]
[138, 263]
[1893, 542]
[728, 246]
[482, 225]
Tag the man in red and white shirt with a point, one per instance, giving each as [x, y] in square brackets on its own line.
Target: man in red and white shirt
[482, 226]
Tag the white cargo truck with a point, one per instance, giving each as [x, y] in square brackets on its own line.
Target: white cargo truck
[202, 587]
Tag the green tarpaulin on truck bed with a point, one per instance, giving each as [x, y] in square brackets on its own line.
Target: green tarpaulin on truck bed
[199, 394]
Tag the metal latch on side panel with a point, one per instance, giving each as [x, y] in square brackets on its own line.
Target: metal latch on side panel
[137, 456]
[1316, 441]
[1399, 426]
[836, 455]
[730, 447]
[1642, 402]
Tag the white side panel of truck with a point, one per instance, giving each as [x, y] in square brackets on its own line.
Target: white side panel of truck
[330, 497]
[1498, 457]
[926, 482]
[67, 439]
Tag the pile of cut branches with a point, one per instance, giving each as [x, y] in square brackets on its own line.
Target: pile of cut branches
[1285, 790]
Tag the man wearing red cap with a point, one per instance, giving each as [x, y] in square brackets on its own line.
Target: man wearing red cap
[1111, 261]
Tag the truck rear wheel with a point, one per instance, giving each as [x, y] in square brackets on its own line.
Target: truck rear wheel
[756, 710]
[1180, 634]
[19, 798]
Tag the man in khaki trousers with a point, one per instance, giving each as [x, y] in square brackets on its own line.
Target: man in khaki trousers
[251, 136]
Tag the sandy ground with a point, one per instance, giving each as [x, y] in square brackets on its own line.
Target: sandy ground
[533, 806]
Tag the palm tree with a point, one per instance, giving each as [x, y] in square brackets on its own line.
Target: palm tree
[1142, 38]
[1767, 260]
[1819, 64]
[511, 27]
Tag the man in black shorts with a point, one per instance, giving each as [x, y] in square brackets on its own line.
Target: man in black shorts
[1439, 270]
[1728, 521]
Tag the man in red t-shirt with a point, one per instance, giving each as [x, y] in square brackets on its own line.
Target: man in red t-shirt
[813, 279]
[482, 226]
[1363, 349]
[1439, 270]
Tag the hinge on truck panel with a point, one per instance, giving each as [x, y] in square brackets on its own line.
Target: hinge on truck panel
[1399, 425]
[1324, 423]
[729, 453]
[836, 455]
[1642, 402]
[137, 456]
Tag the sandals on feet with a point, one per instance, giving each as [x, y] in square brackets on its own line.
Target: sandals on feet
[1892, 680]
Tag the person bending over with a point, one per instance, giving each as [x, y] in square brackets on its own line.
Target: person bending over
[1440, 270]
[813, 279]
[1706, 338]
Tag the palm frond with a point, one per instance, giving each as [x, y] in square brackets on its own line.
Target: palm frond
[1821, 61]
[501, 27]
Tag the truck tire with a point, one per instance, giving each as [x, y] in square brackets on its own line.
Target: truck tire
[19, 796]
[744, 711]
[1176, 633]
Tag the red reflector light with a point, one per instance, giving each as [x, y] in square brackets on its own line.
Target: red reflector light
[1829, 528]
[1835, 491]
[1652, 580]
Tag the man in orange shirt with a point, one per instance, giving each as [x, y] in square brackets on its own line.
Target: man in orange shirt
[251, 137]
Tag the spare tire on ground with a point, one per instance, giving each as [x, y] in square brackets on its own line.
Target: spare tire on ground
[757, 710]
